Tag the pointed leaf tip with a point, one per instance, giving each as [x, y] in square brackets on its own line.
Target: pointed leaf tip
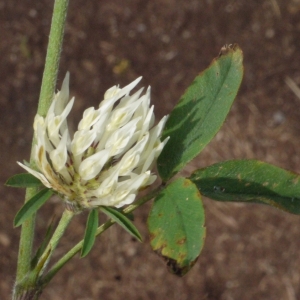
[122, 220]
[32, 205]
[201, 111]
[24, 180]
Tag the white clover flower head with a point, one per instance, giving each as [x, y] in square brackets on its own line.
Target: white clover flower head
[110, 157]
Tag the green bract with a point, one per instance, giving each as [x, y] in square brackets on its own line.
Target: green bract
[90, 232]
[32, 205]
[122, 220]
[25, 180]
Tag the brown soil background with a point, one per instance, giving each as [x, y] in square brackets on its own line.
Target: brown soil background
[251, 251]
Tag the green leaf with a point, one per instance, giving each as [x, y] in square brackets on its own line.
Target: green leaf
[44, 244]
[24, 180]
[90, 232]
[176, 225]
[32, 205]
[122, 220]
[201, 111]
[250, 181]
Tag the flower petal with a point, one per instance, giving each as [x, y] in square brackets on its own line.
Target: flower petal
[82, 140]
[36, 174]
[54, 123]
[90, 117]
[62, 97]
[59, 155]
[121, 138]
[92, 165]
[132, 157]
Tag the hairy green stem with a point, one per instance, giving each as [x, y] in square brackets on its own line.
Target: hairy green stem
[26, 241]
[100, 230]
[30, 287]
[53, 56]
[61, 227]
[46, 95]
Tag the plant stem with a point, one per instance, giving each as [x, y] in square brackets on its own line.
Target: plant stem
[46, 95]
[26, 240]
[61, 227]
[30, 287]
[100, 230]
[53, 56]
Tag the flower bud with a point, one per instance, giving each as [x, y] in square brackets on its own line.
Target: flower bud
[110, 157]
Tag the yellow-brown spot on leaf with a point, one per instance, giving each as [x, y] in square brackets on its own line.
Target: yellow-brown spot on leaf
[186, 183]
[152, 236]
[181, 241]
